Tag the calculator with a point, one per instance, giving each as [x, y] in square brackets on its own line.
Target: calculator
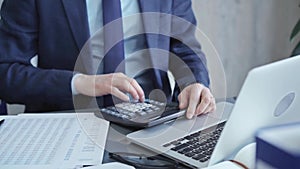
[141, 114]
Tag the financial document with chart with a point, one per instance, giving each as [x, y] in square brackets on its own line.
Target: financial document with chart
[57, 140]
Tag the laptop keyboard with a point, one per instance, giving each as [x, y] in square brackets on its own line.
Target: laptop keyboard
[200, 145]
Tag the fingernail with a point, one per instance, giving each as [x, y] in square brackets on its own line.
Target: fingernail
[189, 116]
[133, 99]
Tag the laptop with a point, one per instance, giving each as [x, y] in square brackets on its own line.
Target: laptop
[269, 96]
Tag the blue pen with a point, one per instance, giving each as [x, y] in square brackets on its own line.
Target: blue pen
[1, 121]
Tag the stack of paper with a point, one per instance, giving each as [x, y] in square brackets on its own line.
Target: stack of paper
[56, 141]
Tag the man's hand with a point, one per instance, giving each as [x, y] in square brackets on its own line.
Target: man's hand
[116, 84]
[197, 99]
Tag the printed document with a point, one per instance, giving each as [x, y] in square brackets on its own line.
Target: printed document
[56, 141]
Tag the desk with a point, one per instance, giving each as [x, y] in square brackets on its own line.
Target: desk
[116, 139]
[117, 142]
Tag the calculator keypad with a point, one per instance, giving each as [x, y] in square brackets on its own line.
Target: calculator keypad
[127, 110]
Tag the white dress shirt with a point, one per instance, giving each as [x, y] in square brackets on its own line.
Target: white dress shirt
[132, 25]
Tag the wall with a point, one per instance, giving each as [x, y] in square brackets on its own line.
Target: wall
[247, 33]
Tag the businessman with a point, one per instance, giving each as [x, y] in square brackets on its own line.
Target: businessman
[56, 31]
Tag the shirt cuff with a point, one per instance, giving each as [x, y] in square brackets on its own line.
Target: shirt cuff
[74, 91]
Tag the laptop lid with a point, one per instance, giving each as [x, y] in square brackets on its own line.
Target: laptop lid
[270, 96]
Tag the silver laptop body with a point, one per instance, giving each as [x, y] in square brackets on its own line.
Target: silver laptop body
[270, 96]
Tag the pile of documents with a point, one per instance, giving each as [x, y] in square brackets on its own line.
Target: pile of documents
[56, 141]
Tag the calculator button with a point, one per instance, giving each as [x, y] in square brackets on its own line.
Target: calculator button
[151, 101]
[156, 108]
[124, 116]
[131, 115]
[113, 113]
[146, 109]
[148, 105]
[161, 104]
[150, 111]
[126, 112]
[141, 113]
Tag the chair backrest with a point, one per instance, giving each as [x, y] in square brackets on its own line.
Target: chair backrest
[3, 108]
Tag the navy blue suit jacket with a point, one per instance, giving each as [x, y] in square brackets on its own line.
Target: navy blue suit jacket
[56, 30]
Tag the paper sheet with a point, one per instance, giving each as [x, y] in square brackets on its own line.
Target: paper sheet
[225, 165]
[52, 140]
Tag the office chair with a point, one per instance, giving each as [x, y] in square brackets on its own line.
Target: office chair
[3, 108]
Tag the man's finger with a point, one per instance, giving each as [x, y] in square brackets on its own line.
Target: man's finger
[119, 94]
[138, 88]
[211, 107]
[129, 85]
[193, 101]
[183, 99]
[124, 84]
[205, 101]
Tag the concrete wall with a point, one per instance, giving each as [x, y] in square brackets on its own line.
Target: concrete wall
[247, 33]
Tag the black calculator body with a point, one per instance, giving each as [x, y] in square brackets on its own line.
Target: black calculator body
[141, 114]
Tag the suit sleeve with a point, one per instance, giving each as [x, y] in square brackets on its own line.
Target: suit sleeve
[191, 65]
[21, 83]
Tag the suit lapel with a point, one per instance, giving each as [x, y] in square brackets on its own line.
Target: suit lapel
[77, 16]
